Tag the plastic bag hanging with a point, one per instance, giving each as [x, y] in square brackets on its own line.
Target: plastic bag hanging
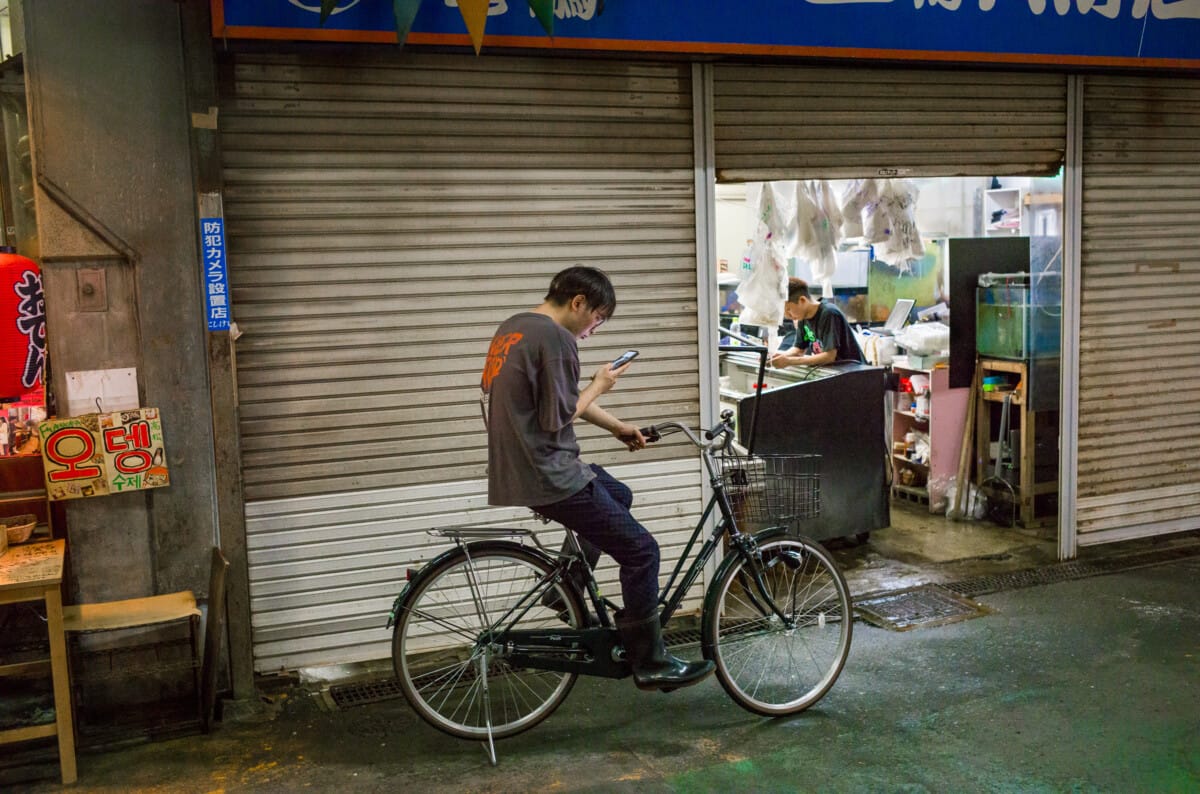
[819, 231]
[858, 201]
[763, 293]
[900, 239]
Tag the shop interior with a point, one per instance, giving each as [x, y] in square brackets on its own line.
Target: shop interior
[19, 419]
[944, 445]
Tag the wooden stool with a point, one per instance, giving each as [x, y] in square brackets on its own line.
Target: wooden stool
[163, 610]
[1028, 487]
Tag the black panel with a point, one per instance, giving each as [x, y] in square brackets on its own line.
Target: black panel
[841, 418]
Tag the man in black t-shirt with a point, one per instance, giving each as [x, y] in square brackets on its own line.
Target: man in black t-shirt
[531, 397]
[823, 334]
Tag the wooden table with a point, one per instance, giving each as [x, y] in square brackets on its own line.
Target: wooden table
[33, 572]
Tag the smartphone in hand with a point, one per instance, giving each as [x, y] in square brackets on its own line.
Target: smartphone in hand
[623, 359]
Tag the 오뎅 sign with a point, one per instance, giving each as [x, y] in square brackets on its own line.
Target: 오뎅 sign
[101, 454]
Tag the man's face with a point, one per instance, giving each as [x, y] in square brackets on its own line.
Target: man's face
[584, 320]
[796, 311]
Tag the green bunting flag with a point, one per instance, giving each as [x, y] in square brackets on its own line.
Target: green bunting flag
[327, 7]
[544, 11]
[406, 12]
[474, 14]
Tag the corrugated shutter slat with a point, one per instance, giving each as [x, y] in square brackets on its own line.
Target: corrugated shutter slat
[1139, 391]
[793, 122]
[385, 211]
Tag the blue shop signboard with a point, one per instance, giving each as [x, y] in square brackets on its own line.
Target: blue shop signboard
[1127, 33]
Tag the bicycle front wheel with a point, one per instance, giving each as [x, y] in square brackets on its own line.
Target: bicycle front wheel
[768, 664]
[448, 668]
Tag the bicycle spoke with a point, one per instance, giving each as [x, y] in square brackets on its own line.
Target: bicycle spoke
[451, 684]
[446, 624]
[774, 666]
[457, 610]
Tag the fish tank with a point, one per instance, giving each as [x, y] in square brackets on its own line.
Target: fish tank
[1015, 319]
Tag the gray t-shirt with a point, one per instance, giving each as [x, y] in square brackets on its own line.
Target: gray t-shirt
[530, 386]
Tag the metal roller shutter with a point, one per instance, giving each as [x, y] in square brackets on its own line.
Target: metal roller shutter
[386, 211]
[1139, 341]
[796, 122]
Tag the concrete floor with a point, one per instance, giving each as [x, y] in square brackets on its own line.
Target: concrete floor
[920, 547]
[1086, 685]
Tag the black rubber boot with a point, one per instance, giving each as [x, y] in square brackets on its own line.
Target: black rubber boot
[653, 667]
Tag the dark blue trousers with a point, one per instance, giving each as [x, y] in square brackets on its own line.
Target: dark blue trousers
[599, 515]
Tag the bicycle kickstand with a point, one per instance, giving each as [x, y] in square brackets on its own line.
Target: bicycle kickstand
[489, 746]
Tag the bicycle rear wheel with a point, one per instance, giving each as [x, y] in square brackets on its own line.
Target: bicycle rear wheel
[768, 665]
[449, 671]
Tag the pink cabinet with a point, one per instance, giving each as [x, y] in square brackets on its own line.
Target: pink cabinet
[927, 437]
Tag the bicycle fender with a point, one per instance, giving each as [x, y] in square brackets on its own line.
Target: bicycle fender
[710, 596]
[399, 604]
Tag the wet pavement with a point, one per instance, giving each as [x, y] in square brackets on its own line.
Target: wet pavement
[921, 547]
[1084, 685]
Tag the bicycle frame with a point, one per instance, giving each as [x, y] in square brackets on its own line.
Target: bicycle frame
[591, 651]
[742, 543]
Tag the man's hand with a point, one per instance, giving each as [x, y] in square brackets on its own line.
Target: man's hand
[780, 360]
[630, 436]
[606, 377]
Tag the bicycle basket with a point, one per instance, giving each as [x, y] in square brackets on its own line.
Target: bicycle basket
[772, 490]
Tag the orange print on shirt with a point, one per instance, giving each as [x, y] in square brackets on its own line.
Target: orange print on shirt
[497, 355]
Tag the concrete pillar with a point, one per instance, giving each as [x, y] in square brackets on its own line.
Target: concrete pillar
[109, 125]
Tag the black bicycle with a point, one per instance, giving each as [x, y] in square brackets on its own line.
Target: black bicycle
[491, 635]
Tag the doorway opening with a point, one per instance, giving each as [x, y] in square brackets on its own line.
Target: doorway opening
[942, 448]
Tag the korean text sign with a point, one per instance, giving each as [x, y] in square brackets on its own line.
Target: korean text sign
[101, 454]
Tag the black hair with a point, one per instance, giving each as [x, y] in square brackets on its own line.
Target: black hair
[589, 282]
[797, 289]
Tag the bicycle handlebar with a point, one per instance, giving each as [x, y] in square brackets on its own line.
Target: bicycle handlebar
[722, 430]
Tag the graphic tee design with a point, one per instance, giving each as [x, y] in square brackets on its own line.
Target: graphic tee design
[496, 356]
[529, 391]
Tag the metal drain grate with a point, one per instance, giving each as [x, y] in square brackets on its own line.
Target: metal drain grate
[1030, 577]
[1068, 571]
[681, 638]
[360, 693]
[917, 607]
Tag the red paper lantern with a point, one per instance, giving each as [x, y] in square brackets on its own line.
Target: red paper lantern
[22, 326]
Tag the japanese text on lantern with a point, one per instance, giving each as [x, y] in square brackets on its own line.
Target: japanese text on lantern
[101, 454]
[216, 281]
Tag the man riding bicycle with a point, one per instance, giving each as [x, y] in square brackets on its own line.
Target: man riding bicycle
[531, 395]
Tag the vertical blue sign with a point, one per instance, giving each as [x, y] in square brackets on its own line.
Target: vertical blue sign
[216, 281]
